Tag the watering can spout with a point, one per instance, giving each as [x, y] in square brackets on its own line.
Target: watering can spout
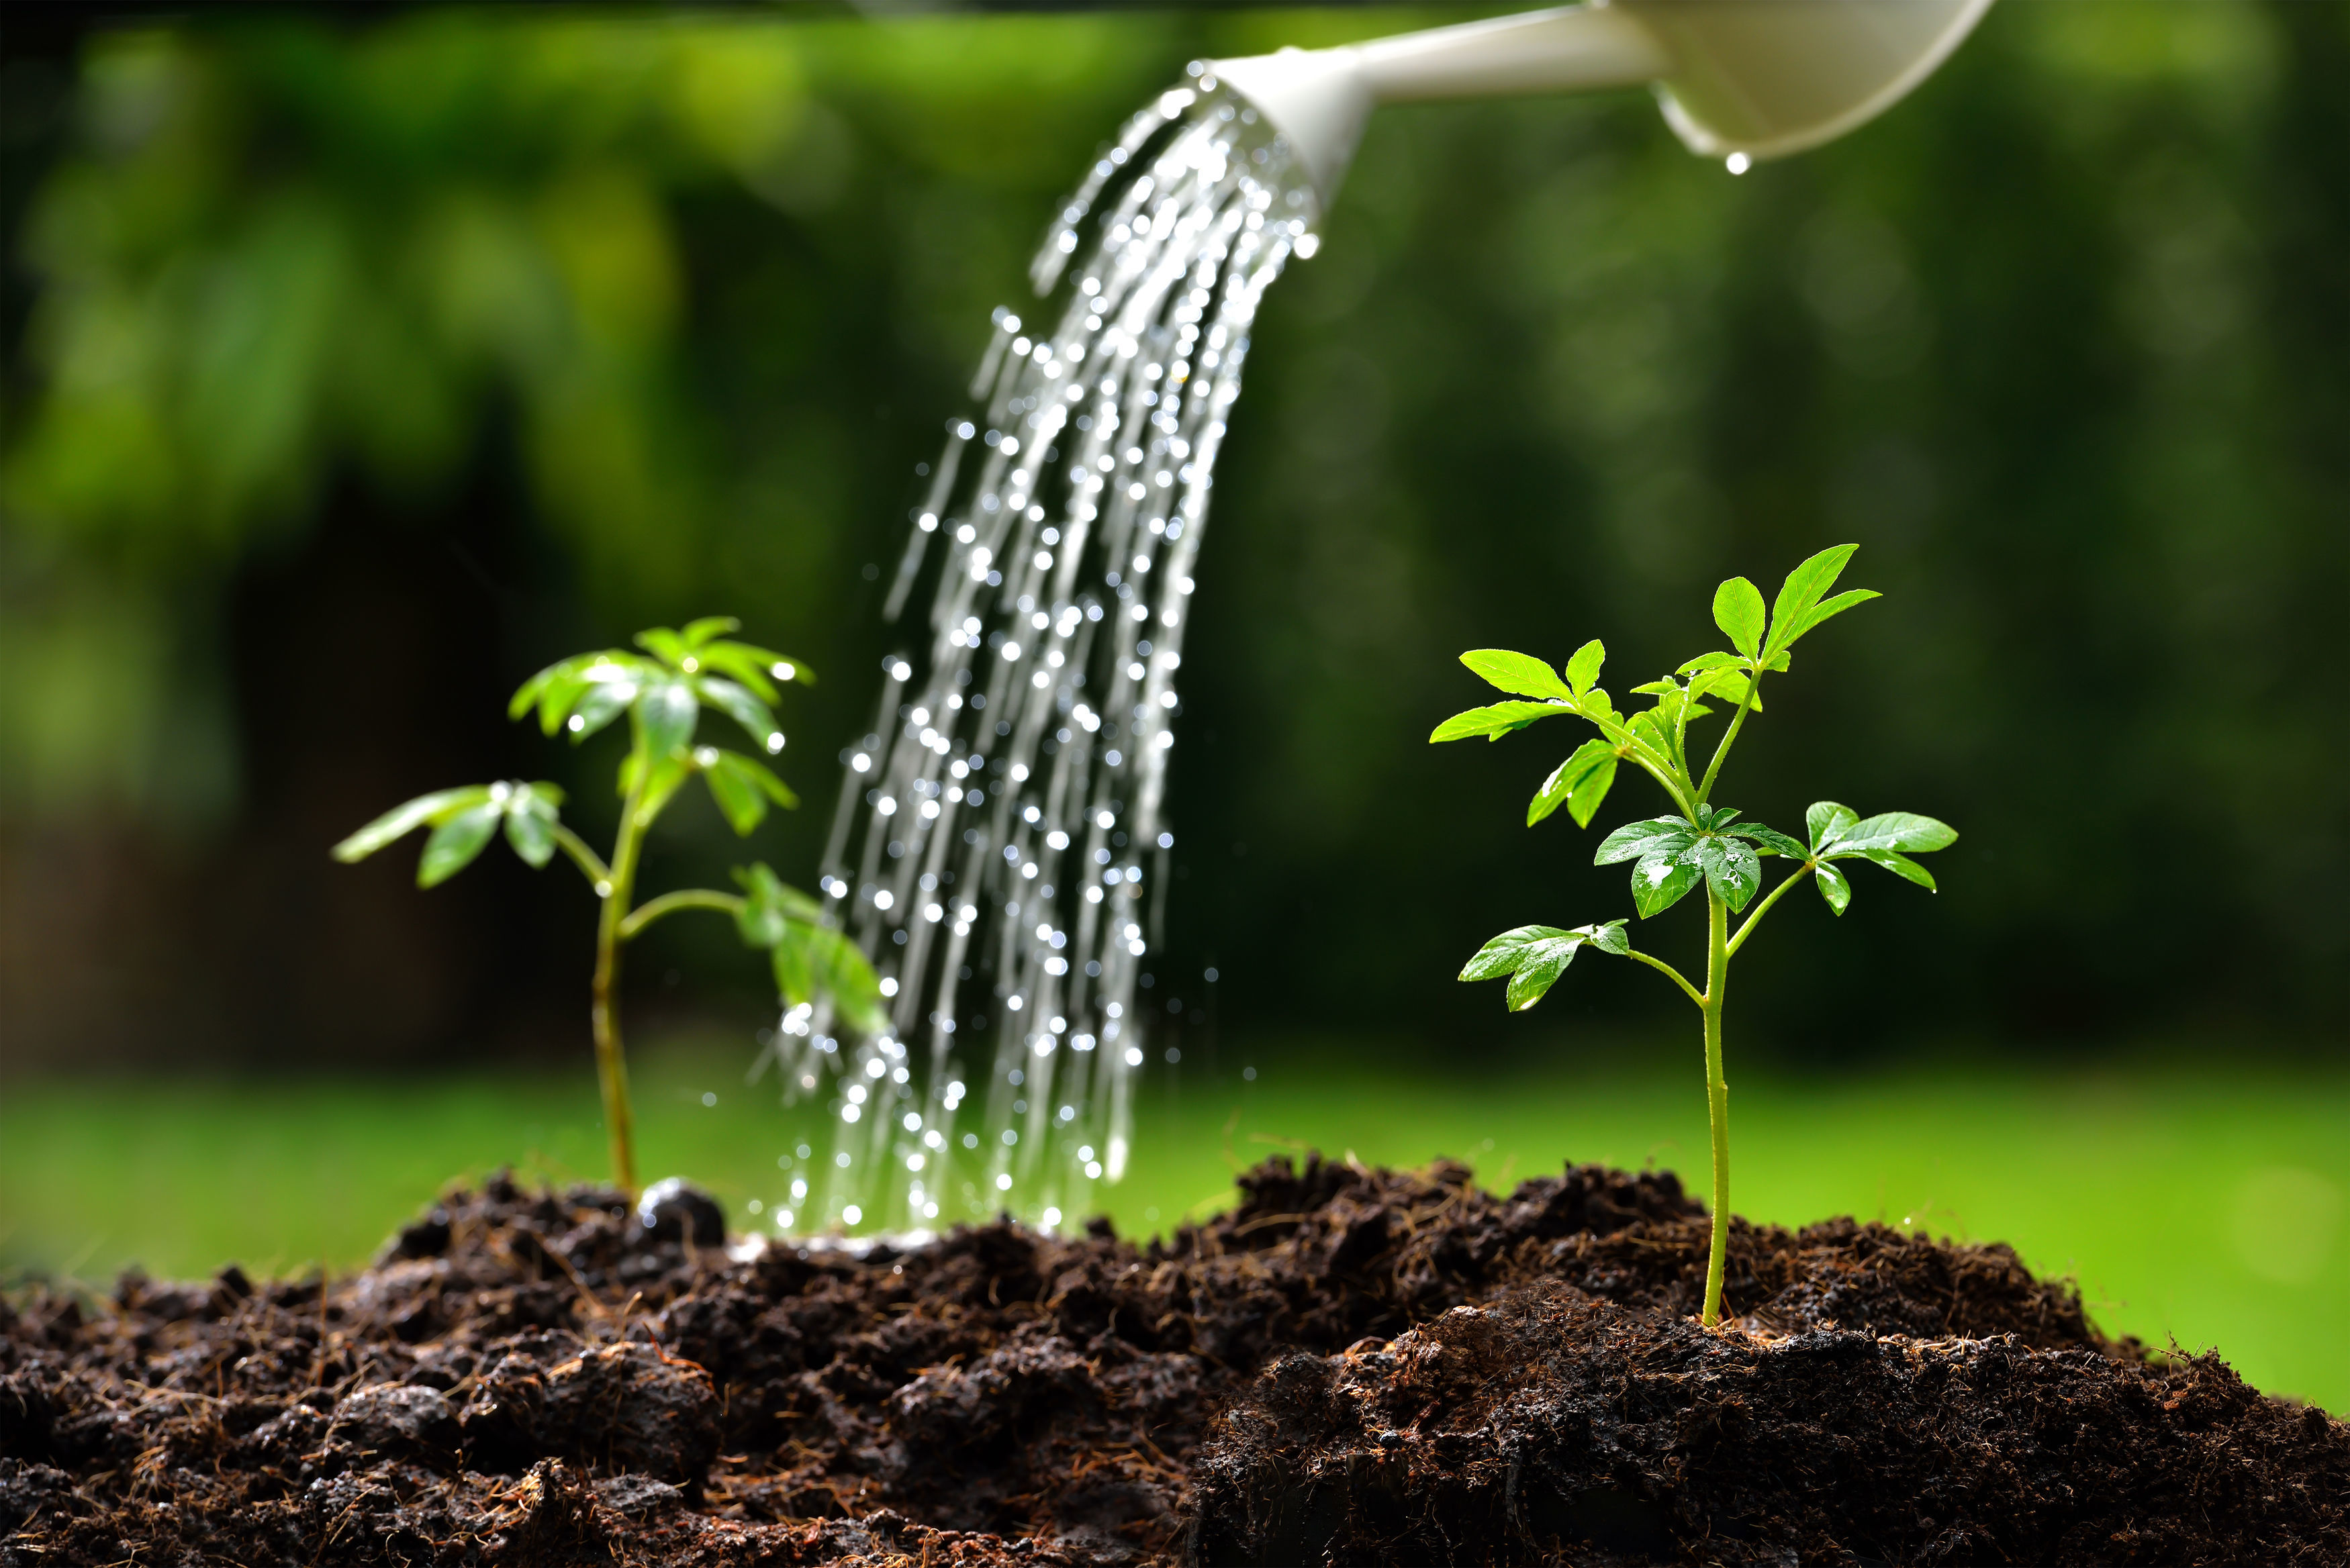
[1755, 78]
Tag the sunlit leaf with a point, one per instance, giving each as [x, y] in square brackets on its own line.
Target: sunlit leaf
[597, 705]
[1656, 835]
[793, 958]
[665, 712]
[739, 704]
[1897, 830]
[1521, 673]
[1584, 668]
[1835, 607]
[1504, 954]
[1570, 775]
[664, 644]
[662, 777]
[1661, 880]
[1494, 722]
[1658, 689]
[1803, 590]
[697, 633]
[844, 973]
[739, 801]
[1737, 611]
[1833, 888]
[1731, 685]
[1707, 662]
[438, 807]
[1730, 869]
[1590, 791]
[1825, 821]
[735, 658]
[455, 842]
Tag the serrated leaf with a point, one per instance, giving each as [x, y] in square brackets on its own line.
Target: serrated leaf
[1656, 835]
[1598, 706]
[1731, 685]
[1825, 821]
[1661, 881]
[1835, 607]
[1803, 589]
[1544, 962]
[1707, 662]
[1584, 668]
[739, 704]
[407, 817]
[1571, 775]
[1730, 869]
[1897, 830]
[665, 712]
[1737, 611]
[1715, 818]
[1770, 840]
[1833, 888]
[1504, 954]
[1521, 673]
[1900, 865]
[1494, 722]
[1658, 689]
[455, 842]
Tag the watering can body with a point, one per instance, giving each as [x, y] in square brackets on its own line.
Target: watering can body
[1741, 79]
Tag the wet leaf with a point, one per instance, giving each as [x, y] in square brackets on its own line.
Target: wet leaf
[1610, 938]
[1661, 881]
[1897, 830]
[739, 704]
[1504, 954]
[1730, 869]
[1545, 961]
[1737, 611]
[1571, 775]
[1584, 668]
[597, 705]
[530, 827]
[1770, 840]
[1656, 835]
[1715, 818]
[1825, 821]
[1900, 865]
[665, 714]
[455, 842]
[793, 960]
[844, 973]
[743, 789]
[1493, 722]
[436, 807]
[1517, 672]
[1802, 591]
[1833, 888]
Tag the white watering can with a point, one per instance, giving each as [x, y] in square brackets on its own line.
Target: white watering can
[1738, 80]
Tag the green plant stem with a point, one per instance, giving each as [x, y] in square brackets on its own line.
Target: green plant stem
[611, 1058]
[587, 859]
[1764, 907]
[1661, 967]
[652, 909]
[1737, 720]
[1717, 1096]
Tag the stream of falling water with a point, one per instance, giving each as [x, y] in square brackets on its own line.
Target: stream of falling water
[1001, 848]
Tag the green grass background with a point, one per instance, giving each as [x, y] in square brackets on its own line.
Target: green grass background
[2192, 1201]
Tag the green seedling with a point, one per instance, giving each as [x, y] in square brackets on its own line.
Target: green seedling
[663, 696]
[1704, 845]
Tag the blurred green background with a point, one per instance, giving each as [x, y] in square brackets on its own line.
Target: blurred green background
[355, 367]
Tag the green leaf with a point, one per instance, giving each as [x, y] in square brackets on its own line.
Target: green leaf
[793, 956]
[455, 842]
[665, 713]
[1504, 954]
[1584, 668]
[530, 822]
[1659, 689]
[1729, 685]
[664, 644]
[1659, 882]
[663, 780]
[1610, 938]
[1656, 835]
[597, 704]
[1900, 865]
[1516, 672]
[1707, 662]
[699, 632]
[436, 807]
[1897, 830]
[1730, 869]
[1825, 821]
[1833, 888]
[742, 660]
[1835, 607]
[1493, 722]
[1715, 818]
[1573, 775]
[1544, 962]
[1803, 590]
[844, 975]
[1737, 611]
[1770, 840]
[739, 704]
[742, 787]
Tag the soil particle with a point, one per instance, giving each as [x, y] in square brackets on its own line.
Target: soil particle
[1350, 1366]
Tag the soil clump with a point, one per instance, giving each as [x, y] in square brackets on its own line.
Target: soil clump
[1351, 1367]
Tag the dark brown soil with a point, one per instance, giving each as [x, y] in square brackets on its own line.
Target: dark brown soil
[1353, 1366]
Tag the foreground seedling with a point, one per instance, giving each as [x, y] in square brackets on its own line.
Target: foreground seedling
[1705, 844]
[663, 696]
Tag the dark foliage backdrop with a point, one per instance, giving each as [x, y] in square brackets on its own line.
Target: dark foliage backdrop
[355, 371]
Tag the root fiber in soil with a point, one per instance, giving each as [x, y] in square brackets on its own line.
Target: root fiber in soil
[1352, 1367]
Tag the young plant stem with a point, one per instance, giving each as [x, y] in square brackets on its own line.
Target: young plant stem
[611, 1058]
[1764, 907]
[652, 909]
[1738, 721]
[1717, 1096]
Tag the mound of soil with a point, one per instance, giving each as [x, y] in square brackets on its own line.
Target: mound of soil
[1353, 1366]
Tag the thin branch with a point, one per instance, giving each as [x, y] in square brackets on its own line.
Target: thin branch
[1721, 748]
[1764, 907]
[1669, 972]
[652, 909]
[587, 860]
